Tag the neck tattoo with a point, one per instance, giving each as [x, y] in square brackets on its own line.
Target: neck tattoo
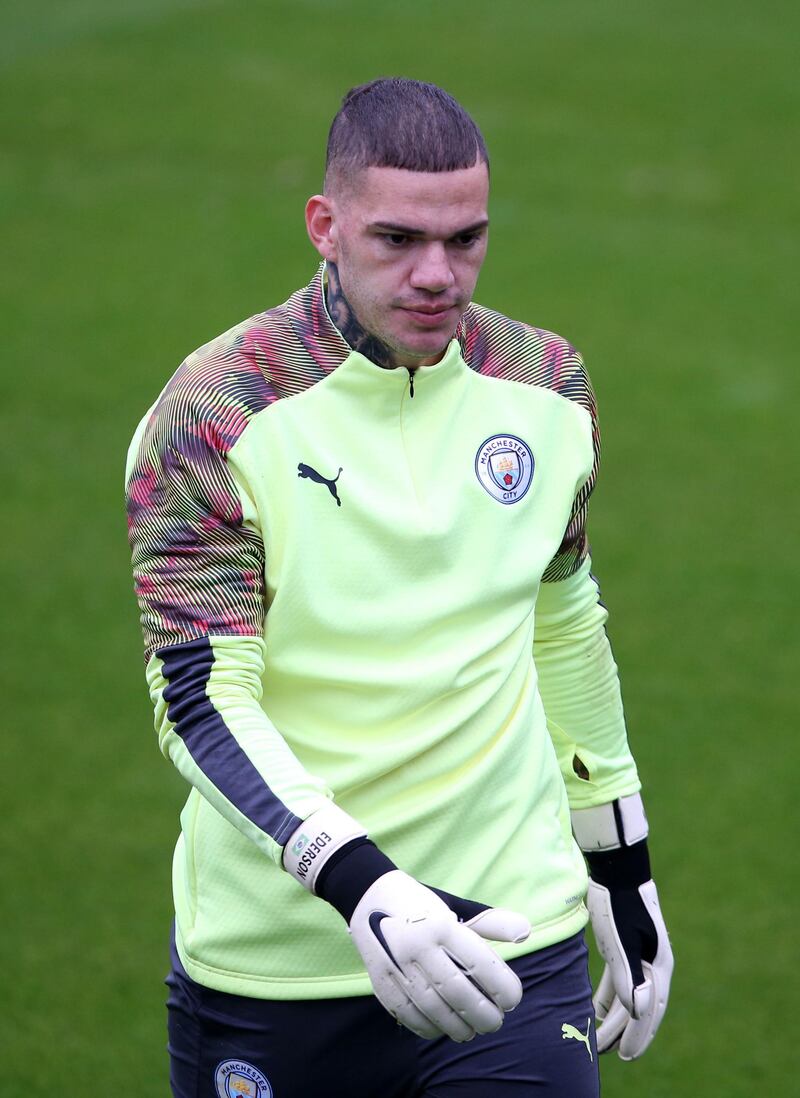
[345, 320]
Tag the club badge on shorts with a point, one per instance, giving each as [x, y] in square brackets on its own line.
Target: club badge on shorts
[504, 466]
[238, 1079]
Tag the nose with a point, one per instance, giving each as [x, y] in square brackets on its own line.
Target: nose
[432, 269]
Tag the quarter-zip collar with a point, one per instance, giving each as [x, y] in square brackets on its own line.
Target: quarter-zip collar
[394, 383]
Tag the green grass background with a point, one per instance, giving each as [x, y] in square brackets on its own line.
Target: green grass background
[154, 160]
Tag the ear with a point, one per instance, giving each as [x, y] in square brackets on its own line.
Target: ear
[321, 226]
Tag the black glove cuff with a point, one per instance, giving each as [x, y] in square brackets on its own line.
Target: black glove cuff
[626, 867]
[348, 873]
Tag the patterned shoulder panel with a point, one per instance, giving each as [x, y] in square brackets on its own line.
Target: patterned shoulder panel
[496, 346]
[198, 570]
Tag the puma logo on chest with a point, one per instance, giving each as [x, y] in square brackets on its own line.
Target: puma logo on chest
[310, 473]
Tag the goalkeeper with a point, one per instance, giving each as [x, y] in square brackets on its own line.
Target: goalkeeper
[377, 654]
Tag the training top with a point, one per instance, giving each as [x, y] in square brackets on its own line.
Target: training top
[372, 585]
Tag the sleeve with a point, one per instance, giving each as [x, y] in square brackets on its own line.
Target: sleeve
[575, 385]
[198, 566]
[580, 690]
[578, 677]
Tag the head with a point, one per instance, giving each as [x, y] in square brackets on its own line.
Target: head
[403, 216]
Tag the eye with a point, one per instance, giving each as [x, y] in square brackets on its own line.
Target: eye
[395, 240]
[466, 240]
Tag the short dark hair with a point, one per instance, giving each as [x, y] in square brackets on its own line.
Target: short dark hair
[394, 122]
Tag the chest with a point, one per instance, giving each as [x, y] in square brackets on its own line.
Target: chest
[457, 496]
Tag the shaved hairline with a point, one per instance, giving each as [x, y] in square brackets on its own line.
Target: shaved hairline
[341, 184]
[396, 122]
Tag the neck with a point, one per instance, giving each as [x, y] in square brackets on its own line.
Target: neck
[344, 318]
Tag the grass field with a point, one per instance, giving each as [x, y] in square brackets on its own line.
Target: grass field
[154, 160]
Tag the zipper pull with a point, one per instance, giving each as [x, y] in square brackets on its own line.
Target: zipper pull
[411, 383]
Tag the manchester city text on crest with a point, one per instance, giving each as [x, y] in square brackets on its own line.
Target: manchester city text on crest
[504, 466]
[238, 1079]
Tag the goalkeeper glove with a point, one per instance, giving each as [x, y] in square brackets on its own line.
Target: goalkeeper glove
[423, 949]
[629, 929]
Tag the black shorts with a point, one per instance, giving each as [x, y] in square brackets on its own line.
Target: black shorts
[230, 1046]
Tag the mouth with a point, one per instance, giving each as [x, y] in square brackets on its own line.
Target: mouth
[429, 316]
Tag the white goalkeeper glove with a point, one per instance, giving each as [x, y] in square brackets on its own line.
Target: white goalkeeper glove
[628, 926]
[424, 950]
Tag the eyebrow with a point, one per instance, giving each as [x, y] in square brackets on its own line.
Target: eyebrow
[409, 230]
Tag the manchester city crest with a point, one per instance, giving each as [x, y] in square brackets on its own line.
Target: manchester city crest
[504, 466]
[238, 1079]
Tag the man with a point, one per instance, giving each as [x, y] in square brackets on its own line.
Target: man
[376, 651]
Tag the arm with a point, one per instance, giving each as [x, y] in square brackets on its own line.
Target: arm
[198, 561]
[198, 565]
[580, 691]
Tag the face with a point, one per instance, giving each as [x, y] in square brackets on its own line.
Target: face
[408, 247]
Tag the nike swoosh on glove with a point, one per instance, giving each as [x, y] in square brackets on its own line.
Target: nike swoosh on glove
[628, 926]
[434, 973]
[425, 951]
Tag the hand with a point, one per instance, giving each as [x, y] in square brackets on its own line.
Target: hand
[632, 995]
[628, 926]
[433, 973]
[423, 949]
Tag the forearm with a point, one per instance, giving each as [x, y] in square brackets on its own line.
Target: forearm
[579, 685]
[210, 723]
